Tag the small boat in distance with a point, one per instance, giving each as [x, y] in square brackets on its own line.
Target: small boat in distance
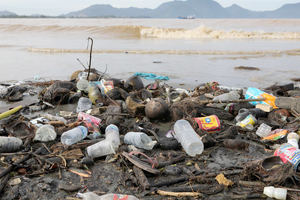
[187, 17]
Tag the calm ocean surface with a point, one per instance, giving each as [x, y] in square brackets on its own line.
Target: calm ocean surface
[190, 51]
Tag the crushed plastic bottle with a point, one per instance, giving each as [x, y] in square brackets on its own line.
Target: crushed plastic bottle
[45, 133]
[293, 139]
[94, 93]
[93, 196]
[231, 96]
[74, 135]
[248, 123]
[54, 118]
[188, 138]
[10, 144]
[84, 104]
[139, 140]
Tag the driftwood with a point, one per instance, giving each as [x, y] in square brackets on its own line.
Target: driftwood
[179, 194]
[140, 176]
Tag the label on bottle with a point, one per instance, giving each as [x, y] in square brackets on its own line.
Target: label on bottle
[288, 153]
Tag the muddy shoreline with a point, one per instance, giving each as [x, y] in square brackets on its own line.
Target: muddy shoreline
[51, 170]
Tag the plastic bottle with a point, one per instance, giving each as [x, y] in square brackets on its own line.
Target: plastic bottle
[74, 135]
[139, 140]
[107, 146]
[231, 96]
[293, 139]
[84, 104]
[264, 130]
[112, 134]
[93, 196]
[102, 148]
[45, 133]
[94, 93]
[188, 138]
[10, 144]
[277, 193]
[248, 123]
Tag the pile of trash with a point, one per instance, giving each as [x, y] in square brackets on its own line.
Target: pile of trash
[96, 137]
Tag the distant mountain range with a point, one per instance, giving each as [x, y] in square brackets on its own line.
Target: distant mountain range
[7, 14]
[177, 8]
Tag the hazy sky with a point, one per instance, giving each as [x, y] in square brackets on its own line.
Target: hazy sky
[56, 7]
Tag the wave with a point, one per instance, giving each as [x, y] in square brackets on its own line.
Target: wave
[295, 52]
[201, 32]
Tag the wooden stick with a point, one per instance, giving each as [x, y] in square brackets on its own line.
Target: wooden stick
[234, 101]
[90, 62]
[178, 194]
[170, 182]
[142, 179]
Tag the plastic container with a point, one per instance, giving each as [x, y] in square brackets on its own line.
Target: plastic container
[45, 133]
[139, 140]
[102, 148]
[243, 113]
[293, 139]
[112, 134]
[188, 138]
[209, 124]
[84, 104]
[94, 93]
[74, 135]
[93, 196]
[10, 144]
[277, 193]
[231, 96]
[248, 123]
[264, 130]
[289, 153]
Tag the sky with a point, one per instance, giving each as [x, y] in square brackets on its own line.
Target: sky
[57, 7]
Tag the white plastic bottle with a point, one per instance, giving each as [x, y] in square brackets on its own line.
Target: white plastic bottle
[10, 144]
[277, 193]
[112, 134]
[263, 130]
[231, 96]
[293, 139]
[188, 138]
[74, 135]
[102, 148]
[139, 140]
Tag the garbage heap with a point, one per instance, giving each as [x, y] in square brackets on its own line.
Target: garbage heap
[97, 137]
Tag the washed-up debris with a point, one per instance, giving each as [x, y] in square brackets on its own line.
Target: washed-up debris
[107, 138]
[247, 68]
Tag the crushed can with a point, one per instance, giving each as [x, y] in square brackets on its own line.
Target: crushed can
[289, 153]
[209, 124]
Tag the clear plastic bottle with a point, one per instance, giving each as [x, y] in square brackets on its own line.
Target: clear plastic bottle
[93, 196]
[188, 138]
[102, 148]
[293, 139]
[231, 96]
[74, 135]
[264, 130]
[277, 193]
[84, 104]
[139, 140]
[9, 144]
[45, 133]
[112, 134]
